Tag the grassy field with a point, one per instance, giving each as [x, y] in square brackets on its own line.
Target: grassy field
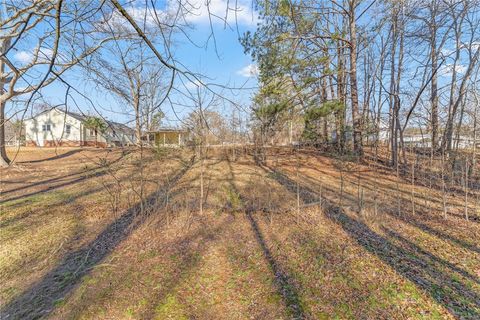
[307, 237]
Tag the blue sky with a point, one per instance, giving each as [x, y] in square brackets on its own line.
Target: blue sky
[223, 64]
[230, 67]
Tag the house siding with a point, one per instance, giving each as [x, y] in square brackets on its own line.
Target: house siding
[58, 120]
[57, 135]
[168, 138]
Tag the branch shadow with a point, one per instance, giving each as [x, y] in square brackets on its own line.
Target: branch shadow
[423, 270]
[87, 173]
[414, 221]
[39, 300]
[5, 223]
[283, 280]
[57, 186]
[187, 262]
[392, 211]
[56, 157]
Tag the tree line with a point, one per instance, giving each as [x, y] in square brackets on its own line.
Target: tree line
[357, 68]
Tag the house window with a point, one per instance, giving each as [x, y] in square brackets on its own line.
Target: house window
[68, 129]
[92, 132]
[45, 127]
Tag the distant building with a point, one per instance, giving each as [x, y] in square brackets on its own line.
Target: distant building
[57, 127]
[166, 137]
[421, 138]
[14, 133]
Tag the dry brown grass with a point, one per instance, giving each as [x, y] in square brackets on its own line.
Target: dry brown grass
[249, 256]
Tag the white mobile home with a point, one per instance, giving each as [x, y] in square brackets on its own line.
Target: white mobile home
[57, 127]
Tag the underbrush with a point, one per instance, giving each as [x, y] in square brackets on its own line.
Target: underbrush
[307, 237]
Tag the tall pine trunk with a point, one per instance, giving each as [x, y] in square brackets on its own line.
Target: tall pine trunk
[340, 114]
[357, 121]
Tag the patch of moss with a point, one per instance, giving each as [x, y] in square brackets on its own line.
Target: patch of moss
[148, 254]
[60, 302]
[234, 202]
[343, 311]
[129, 313]
[170, 308]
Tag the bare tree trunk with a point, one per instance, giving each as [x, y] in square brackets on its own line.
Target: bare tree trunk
[444, 189]
[466, 188]
[340, 116]
[393, 114]
[475, 132]
[434, 87]
[357, 121]
[136, 106]
[324, 98]
[474, 55]
[201, 178]
[4, 160]
[380, 104]
[396, 72]
[297, 180]
[413, 187]
[397, 89]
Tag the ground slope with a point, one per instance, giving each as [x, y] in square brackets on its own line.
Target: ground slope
[273, 242]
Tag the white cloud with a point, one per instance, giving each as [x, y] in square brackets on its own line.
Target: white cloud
[141, 15]
[249, 71]
[23, 56]
[475, 45]
[235, 12]
[193, 85]
[447, 70]
[44, 55]
[191, 11]
[219, 11]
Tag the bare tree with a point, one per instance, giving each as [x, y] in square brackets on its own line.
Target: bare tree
[31, 60]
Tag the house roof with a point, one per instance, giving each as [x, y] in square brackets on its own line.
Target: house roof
[120, 127]
[167, 129]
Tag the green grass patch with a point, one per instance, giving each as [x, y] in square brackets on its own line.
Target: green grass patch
[170, 308]
[44, 199]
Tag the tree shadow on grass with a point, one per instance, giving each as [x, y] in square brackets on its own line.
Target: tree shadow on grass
[188, 259]
[39, 300]
[424, 270]
[99, 173]
[389, 208]
[55, 157]
[404, 242]
[85, 174]
[283, 281]
[42, 213]
[414, 221]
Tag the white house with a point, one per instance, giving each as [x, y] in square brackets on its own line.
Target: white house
[57, 127]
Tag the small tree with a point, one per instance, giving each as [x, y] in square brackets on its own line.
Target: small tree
[156, 121]
[97, 125]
